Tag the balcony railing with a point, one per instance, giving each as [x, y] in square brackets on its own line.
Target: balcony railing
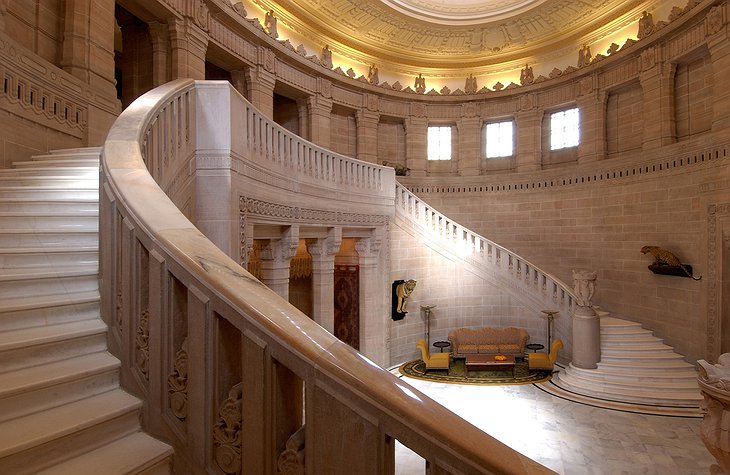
[237, 379]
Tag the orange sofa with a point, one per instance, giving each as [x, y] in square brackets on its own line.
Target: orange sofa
[490, 341]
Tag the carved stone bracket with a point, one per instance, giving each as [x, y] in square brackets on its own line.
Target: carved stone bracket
[227, 432]
[142, 343]
[177, 383]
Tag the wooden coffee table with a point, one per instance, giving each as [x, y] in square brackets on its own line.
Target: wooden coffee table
[488, 363]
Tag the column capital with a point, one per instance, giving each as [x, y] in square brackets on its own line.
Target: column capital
[321, 248]
[283, 249]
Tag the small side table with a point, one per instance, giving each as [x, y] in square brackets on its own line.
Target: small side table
[533, 346]
[441, 345]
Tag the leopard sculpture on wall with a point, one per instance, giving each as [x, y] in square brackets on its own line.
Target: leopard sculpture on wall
[662, 257]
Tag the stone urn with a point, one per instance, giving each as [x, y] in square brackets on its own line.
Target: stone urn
[714, 382]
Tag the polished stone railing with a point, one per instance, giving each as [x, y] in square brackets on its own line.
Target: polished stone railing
[234, 377]
[489, 258]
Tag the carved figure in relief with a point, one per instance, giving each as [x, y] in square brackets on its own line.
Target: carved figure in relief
[373, 75]
[470, 86]
[326, 60]
[662, 257]
[420, 84]
[526, 75]
[403, 291]
[584, 56]
[270, 24]
[646, 25]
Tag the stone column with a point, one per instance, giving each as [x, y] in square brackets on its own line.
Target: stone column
[238, 80]
[160, 52]
[302, 110]
[261, 89]
[189, 43]
[323, 253]
[717, 42]
[592, 106]
[528, 149]
[275, 259]
[367, 135]
[374, 314]
[320, 109]
[657, 84]
[470, 153]
[416, 145]
[88, 54]
[586, 324]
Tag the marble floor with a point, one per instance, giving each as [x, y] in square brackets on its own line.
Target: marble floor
[569, 437]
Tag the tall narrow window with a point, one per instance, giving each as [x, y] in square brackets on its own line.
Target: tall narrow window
[564, 129]
[499, 139]
[439, 143]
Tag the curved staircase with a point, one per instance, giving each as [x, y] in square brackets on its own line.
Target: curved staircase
[61, 408]
[635, 367]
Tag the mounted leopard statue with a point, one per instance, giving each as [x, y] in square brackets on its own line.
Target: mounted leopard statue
[662, 257]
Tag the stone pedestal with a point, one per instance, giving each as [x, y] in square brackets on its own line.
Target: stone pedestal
[586, 324]
[714, 382]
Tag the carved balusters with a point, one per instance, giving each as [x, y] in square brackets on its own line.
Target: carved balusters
[291, 460]
[142, 334]
[177, 380]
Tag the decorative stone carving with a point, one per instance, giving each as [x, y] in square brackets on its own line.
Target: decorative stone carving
[326, 60]
[118, 310]
[470, 85]
[584, 56]
[527, 102]
[270, 21]
[646, 25]
[648, 58]
[291, 460]
[418, 109]
[585, 284]
[177, 383]
[498, 87]
[469, 109]
[372, 102]
[373, 75]
[715, 20]
[420, 84]
[585, 86]
[227, 432]
[295, 214]
[142, 343]
[526, 76]
[445, 91]
[612, 49]
[200, 14]
[714, 382]
[324, 87]
[240, 9]
[268, 59]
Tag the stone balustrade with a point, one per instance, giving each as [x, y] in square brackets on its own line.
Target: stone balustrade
[230, 372]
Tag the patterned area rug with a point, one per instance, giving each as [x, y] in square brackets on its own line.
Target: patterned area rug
[457, 374]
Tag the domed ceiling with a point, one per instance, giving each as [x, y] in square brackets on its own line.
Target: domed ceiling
[433, 35]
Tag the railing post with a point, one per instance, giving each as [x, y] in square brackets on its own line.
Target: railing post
[586, 324]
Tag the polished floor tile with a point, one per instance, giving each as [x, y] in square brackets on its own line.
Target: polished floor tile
[569, 437]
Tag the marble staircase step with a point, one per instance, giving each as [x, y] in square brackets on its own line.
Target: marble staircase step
[629, 365]
[638, 351]
[29, 390]
[50, 192]
[137, 453]
[61, 153]
[626, 375]
[30, 180]
[33, 281]
[28, 347]
[22, 238]
[48, 221]
[44, 205]
[647, 394]
[44, 171]
[43, 439]
[41, 310]
[657, 382]
[59, 162]
[632, 358]
[56, 256]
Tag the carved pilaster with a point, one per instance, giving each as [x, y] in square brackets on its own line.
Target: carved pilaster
[189, 43]
[227, 432]
[275, 258]
[469, 145]
[416, 140]
[657, 84]
[260, 82]
[367, 135]
[160, 52]
[320, 109]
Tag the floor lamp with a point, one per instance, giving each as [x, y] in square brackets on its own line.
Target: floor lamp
[427, 311]
[550, 317]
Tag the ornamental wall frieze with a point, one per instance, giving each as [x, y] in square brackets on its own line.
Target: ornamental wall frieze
[251, 206]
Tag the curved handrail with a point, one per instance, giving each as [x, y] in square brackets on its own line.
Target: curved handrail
[191, 289]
